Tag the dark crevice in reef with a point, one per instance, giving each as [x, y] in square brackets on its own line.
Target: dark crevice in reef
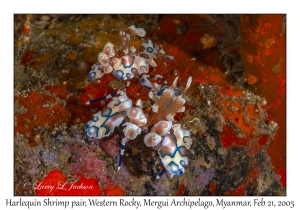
[150, 190]
[234, 68]
[233, 171]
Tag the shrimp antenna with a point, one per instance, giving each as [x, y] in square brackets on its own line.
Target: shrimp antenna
[188, 84]
[174, 85]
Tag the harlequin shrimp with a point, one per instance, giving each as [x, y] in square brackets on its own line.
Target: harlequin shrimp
[129, 65]
[148, 50]
[173, 141]
[102, 66]
[174, 147]
[137, 31]
[111, 116]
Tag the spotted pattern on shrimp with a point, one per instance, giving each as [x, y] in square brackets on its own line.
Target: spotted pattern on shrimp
[129, 66]
[174, 151]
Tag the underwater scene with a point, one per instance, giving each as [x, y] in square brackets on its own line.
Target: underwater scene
[149, 105]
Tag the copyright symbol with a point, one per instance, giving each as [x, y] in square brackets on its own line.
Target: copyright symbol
[26, 185]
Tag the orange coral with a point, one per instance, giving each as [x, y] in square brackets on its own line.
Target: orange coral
[114, 190]
[26, 58]
[263, 46]
[180, 190]
[25, 30]
[59, 91]
[42, 110]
